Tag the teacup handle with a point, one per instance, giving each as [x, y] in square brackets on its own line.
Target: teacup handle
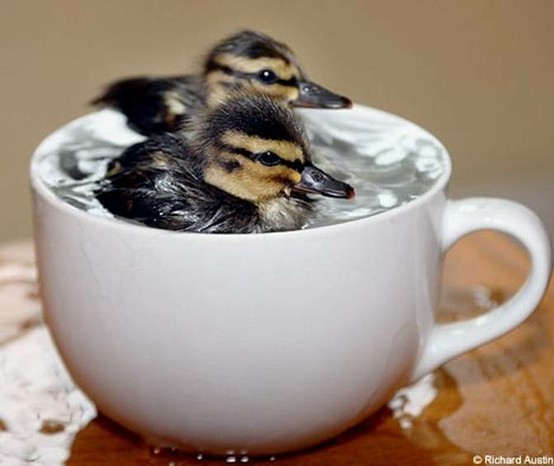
[468, 215]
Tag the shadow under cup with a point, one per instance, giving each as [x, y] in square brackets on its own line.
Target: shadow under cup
[262, 343]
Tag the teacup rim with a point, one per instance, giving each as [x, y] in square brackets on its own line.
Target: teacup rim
[40, 187]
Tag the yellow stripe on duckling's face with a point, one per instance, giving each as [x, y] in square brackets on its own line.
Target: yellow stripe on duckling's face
[277, 91]
[220, 93]
[241, 75]
[248, 178]
[279, 66]
[252, 181]
[285, 149]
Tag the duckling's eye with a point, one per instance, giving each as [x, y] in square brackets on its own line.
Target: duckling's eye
[269, 159]
[267, 76]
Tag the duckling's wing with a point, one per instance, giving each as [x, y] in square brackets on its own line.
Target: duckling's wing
[140, 183]
[157, 183]
[155, 105]
[211, 210]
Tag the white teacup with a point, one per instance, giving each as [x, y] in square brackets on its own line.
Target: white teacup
[264, 343]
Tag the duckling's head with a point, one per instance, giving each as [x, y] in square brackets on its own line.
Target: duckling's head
[256, 149]
[253, 62]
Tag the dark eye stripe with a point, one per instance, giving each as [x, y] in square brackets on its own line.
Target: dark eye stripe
[291, 82]
[237, 150]
[297, 165]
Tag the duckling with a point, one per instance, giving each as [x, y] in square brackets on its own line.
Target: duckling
[248, 61]
[248, 170]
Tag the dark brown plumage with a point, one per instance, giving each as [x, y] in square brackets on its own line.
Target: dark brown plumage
[248, 170]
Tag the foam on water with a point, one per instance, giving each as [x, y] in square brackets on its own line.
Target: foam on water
[389, 161]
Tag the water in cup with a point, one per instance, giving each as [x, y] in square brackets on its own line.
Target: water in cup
[389, 162]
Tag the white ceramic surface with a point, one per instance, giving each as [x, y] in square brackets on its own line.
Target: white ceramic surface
[264, 343]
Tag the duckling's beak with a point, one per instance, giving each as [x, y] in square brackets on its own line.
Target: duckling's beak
[314, 96]
[315, 181]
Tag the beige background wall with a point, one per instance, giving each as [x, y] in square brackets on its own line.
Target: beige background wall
[478, 73]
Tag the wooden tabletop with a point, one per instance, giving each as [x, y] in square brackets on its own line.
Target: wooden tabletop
[497, 400]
